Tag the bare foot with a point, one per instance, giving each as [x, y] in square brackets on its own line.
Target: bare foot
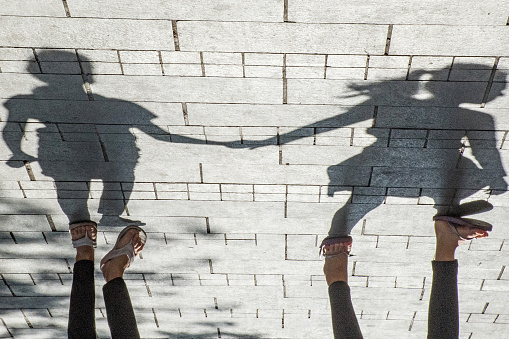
[448, 240]
[84, 252]
[115, 267]
[446, 234]
[336, 266]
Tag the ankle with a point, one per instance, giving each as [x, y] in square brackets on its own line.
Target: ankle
[84, 253]
[114, 268]
[445, 252]
[112, 273]
[336, 269]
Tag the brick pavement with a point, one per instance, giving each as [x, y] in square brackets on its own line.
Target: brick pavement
[235, 131]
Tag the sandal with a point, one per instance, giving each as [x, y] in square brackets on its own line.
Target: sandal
[85, 241]
[455, 222]
[127, 249]
[347, 240]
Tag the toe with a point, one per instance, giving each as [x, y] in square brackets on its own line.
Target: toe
[78, 232]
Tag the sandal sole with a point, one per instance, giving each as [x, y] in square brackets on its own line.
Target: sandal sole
[467, 222]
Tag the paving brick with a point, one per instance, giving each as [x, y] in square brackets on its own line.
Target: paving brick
[267, 37]
[163, 187]
[413, 143]
[297, 175]
[25, 8]
[142, 57]
[69, 86]
[218, 209]
[9, 173]
[273, 115]
[388, 62]
[420, 39]
[19, 67]
[142, 69]
[326, 92]
[182, 89]
[268, 10]
[346, 61]
[334, 73]
[46, 55]
[98, 55]
[384, 176]
[222, 58]
[379, 13]
[246, 189]
[224, 70]
[431, 62]
[304, 72]
[469, 75]
[301, 247]
[198, 153]
[263, 72]
[267, 59]
[500, 76]
[11, 194]
[387, 74]
[178, 57]
[375, 157]
[30, 265]
[88, 33]
[16, 54]
[183, 70]
[305, 60]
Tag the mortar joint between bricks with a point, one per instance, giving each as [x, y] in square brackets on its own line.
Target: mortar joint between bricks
[66, 9]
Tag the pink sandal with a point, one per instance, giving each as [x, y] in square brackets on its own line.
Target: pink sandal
[455, 222]
[347, 240]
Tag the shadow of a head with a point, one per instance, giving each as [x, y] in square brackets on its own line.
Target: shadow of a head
[57, 61]
[468, 83]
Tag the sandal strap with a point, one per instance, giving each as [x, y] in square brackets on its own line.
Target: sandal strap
[457, 233]
[115, 253]
[85, 241]
[338, 254]
[335, 240]
[455, 222]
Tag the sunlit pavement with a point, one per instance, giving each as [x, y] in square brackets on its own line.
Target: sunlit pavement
[234, 131]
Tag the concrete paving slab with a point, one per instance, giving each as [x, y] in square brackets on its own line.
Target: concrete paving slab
[277, 38]
[86, 33]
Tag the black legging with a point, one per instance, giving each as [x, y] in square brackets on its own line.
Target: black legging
[443, 318]
[119, 309]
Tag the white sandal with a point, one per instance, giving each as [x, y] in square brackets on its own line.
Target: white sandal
[85, 241]
[127, 249]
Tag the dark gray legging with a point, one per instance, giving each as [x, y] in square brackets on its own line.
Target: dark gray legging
[443, 312]
[119, 309]
[344, 321]
[443, 318]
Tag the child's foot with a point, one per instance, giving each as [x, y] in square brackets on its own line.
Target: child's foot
[450, 237]
[336, 262]
[449, 234]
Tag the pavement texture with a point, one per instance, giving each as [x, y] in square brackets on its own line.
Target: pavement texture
[236, 132]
